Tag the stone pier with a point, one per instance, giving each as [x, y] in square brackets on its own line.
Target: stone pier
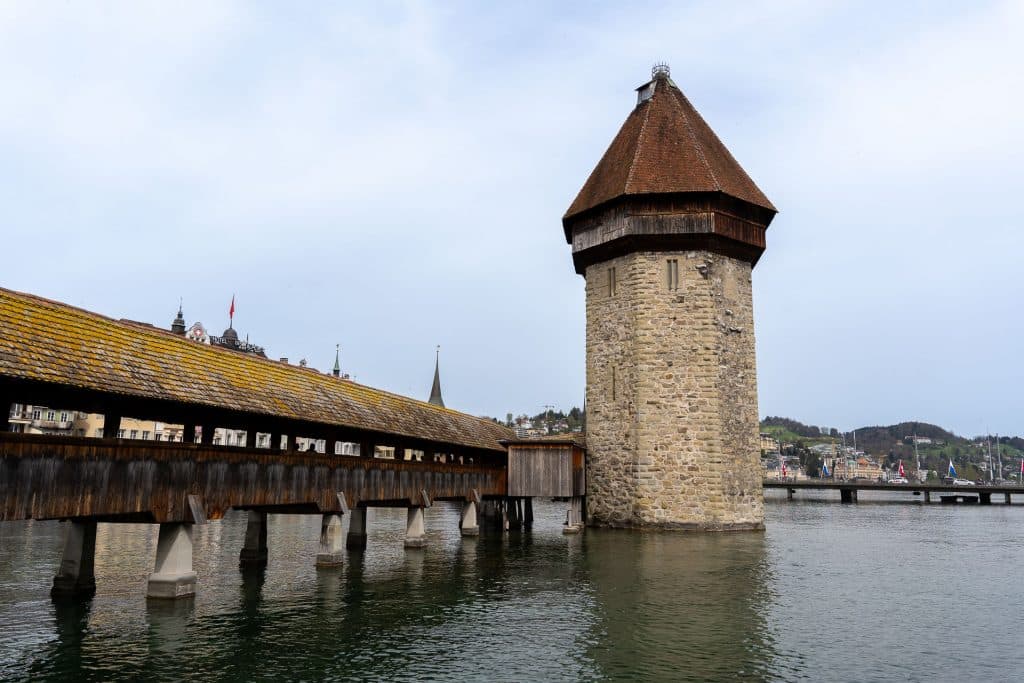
[331, 553]
[75, 576]
[574, 516]
[172, 576]
[467, 522]
[356, 539]
[254, 552]
[415, 533]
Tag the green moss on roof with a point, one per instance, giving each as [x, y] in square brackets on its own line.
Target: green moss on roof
[51, 342]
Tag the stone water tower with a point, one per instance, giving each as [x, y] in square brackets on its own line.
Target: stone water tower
[666, 231]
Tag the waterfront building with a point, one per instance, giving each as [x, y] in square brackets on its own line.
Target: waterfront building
[666, 232]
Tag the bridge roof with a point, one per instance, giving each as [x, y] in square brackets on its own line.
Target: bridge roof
[48, 342]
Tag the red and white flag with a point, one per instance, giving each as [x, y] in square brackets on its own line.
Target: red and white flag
[783, 468]
[1022, 469]
[231, 311]
[901, 469]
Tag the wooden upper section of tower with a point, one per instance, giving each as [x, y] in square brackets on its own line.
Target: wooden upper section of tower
[666, 162]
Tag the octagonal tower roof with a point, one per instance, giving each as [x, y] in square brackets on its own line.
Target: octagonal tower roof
[664, 148]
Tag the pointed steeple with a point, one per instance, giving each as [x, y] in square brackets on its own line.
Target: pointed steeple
[337, 364]
[435, 391]
[178, 326]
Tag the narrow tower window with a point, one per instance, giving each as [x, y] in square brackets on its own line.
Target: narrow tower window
[673, 274]
[611, 282]
[613, 382]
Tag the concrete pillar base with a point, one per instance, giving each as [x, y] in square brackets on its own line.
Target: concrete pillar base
[572, 529]
[75, 576]
[467, 522]
[254, 552]
[173, 577]
[171, 586]
[356, 539]
[414, 530]
[330, 554]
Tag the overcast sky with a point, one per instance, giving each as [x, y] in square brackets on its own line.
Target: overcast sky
[392, 177]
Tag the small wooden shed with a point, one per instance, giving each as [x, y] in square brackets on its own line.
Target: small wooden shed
[549, 466]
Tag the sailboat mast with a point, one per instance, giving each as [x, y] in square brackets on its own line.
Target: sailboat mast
[989, 438]
[917, 457]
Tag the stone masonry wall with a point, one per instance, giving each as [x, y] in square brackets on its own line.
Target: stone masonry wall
[672, 423]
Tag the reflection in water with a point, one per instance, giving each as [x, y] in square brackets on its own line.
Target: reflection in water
[797, 602]
[679, 607]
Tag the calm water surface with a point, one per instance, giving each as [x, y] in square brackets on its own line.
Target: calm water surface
[877, 591]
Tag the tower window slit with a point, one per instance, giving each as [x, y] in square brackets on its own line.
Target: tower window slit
[673, 274]
[611, 282]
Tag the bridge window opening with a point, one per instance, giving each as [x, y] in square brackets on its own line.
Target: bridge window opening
[611, 282]
[135, 434]
[673, 274]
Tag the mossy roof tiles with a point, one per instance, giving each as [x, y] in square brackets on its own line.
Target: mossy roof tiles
[52, 342]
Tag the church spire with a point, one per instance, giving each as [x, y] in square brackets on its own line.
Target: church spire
[435, 391]
[337, 364]
[178, 326]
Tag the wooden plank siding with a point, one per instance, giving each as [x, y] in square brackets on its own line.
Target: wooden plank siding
[546, 469]
[51, 477]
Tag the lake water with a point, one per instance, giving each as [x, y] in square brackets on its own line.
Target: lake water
[877, 591]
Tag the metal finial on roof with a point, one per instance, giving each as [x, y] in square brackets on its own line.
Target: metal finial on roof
[435, 391]
[337, 365]
[660, 70]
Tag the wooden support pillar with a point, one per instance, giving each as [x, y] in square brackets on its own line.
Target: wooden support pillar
[356, 539]
[1007, 495]
[207, 437]
[847, 495]
[111, 425]
[188, 432]
[467, 522]
[515, 519]
[789, 493]
[250, 438]
[254, 552]
[75, 576]
[527, 513]
[331, 446]
[984, 498]
[330, 553]
[365, 448]
[172, 575]
[927, 496]
[6, 401]
[415, 532]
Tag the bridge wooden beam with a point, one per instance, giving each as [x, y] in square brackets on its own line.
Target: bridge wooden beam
[77, 477]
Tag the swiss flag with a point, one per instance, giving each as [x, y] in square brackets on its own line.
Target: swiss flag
[231, 311]
[901, 469]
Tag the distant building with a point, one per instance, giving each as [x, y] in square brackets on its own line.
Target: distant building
[769, 444]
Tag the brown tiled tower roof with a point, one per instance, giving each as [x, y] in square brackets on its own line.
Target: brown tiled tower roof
[665, 148]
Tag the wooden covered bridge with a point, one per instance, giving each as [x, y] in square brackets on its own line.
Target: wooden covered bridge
[58, 355]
